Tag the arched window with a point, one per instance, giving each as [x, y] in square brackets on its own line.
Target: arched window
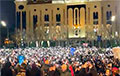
[95, 18]
[95, 15]
[18, 20]
[108, 17]
[76, 16]
[24, 20]
[46, 17]
[58, 17]
[35, 21]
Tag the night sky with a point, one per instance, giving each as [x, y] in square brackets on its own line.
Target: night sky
[7, 14]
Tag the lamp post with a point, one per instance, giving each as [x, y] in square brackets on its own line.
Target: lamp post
[112, 19]
[109, 29]
[3, 23]
[116, 37]
[95, 29]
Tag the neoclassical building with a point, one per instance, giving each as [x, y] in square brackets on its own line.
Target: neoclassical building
[67, 21]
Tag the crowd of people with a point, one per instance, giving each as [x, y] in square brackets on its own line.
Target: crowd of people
[59, 61]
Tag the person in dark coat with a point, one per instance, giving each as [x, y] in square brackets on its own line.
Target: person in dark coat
[82, 72]
[51, 70]
[77, 70]
[57, 72]
[6, 70]
[92, 72]
[51, 73]
[28, 70]
[35, 71]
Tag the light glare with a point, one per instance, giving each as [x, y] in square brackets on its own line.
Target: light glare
[113, 18]
[3, 23]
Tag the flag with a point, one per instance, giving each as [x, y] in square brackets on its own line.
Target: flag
[72, 50]
[20, 59]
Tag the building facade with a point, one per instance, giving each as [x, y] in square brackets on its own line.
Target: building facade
[67, 21]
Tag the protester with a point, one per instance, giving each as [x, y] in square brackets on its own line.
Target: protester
[6, 70]
[59, 61]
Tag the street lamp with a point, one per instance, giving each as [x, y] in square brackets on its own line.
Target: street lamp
[3, 23]
[95, 30]
[113, 18]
